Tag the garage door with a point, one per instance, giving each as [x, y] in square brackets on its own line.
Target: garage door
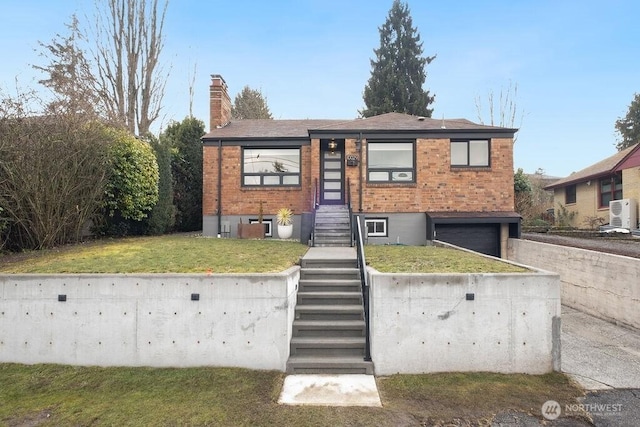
[483, 238]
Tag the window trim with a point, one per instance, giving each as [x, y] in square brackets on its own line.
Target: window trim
[382, 220]
[262, 175]
[611, 180]
[468, 143]
[391, 171]
[567, 193]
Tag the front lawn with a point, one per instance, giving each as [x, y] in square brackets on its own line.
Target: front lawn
[433, 259]
[191, 253]
[178, 253]
[52, 395]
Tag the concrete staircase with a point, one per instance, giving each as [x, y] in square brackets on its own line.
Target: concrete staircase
[332, 226]
[329, 329]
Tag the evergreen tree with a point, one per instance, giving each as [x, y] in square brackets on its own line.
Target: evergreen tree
[398, 72]
[186, 167]
[162, 216]
[250, 104]
[629, 126]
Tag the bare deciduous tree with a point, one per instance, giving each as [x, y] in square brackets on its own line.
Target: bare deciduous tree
[112, 63]
[69, 73]
[505, 113]
[129, 37]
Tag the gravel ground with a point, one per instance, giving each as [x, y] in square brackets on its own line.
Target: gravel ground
[628, 247]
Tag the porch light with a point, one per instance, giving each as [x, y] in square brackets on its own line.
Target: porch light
[332, 146]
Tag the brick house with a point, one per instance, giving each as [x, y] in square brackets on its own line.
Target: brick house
[413, 178]
[589, 191]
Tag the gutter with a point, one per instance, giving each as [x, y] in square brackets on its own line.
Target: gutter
[360, 171]
[219, 208]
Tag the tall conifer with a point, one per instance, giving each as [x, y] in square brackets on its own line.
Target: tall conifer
[399, 70]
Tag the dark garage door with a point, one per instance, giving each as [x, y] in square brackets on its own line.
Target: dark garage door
[483, 238]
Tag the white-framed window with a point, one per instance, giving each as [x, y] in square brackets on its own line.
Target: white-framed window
[270, 167]
[391, 161]
[470, 153]
[376, 227]
[267, 226]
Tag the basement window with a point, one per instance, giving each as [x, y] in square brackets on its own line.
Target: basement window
[376, 227]
[267, 226]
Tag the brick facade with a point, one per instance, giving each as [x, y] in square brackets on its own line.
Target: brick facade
[438, 186]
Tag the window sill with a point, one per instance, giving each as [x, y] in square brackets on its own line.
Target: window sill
[272, 187]
[392, 184]
[470, 168]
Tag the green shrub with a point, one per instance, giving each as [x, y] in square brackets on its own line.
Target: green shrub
[132, 189]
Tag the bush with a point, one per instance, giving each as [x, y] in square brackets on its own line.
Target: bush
[53, 172]
[186, 167]
[162, 216]
[132, 189]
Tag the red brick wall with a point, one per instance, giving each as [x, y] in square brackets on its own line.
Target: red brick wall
[219, 102]
[238, 200]
[438, 188]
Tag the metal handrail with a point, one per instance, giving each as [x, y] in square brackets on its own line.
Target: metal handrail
[313, 212]
[348, 200]
[362, 266]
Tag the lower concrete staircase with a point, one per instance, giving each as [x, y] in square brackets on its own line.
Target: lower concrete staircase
[332, 226]
[329, 328]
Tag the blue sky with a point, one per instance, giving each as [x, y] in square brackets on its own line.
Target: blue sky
[576, 63]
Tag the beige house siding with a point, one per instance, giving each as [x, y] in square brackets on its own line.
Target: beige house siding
[587, 198]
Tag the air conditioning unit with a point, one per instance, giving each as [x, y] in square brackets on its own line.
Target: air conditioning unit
[623, 213]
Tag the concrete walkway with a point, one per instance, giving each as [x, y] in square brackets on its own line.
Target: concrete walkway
[330, 253]
[330, 390]
[597, 354]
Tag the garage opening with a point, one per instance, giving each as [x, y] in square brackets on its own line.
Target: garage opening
[476, 231]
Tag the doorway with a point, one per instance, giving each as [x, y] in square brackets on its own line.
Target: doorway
[332, 172]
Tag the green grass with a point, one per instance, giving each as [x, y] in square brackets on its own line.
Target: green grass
[52, 395]
[161, 254]
[433, 259]
[184, 253]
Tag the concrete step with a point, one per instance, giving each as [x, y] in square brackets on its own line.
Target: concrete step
[327, 346]
[328, 365]
[329, 263]
[329, 285]
[328, 328]
[328, 242]
[332, 245]
[329, 312]
[332, 228]
[329, 274]
[329, 298]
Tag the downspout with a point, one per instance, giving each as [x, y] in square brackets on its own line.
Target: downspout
[219, 188]
[360, 180]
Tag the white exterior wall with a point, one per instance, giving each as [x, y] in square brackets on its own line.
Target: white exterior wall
[241, 320]
[603, 285]
[423, 322]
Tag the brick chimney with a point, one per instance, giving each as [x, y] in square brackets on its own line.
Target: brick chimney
[219, 102]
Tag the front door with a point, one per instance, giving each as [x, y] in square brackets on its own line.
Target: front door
[332, 172]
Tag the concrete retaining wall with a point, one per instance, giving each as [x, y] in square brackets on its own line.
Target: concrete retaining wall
[424, 322]
[600, 284]
[148, 320]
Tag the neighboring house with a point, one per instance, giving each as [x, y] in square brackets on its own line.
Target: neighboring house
[413, 178]
[589, 191]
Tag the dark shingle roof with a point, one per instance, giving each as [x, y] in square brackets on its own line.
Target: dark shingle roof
[239, 129]
[399, 121]
[603, 167]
